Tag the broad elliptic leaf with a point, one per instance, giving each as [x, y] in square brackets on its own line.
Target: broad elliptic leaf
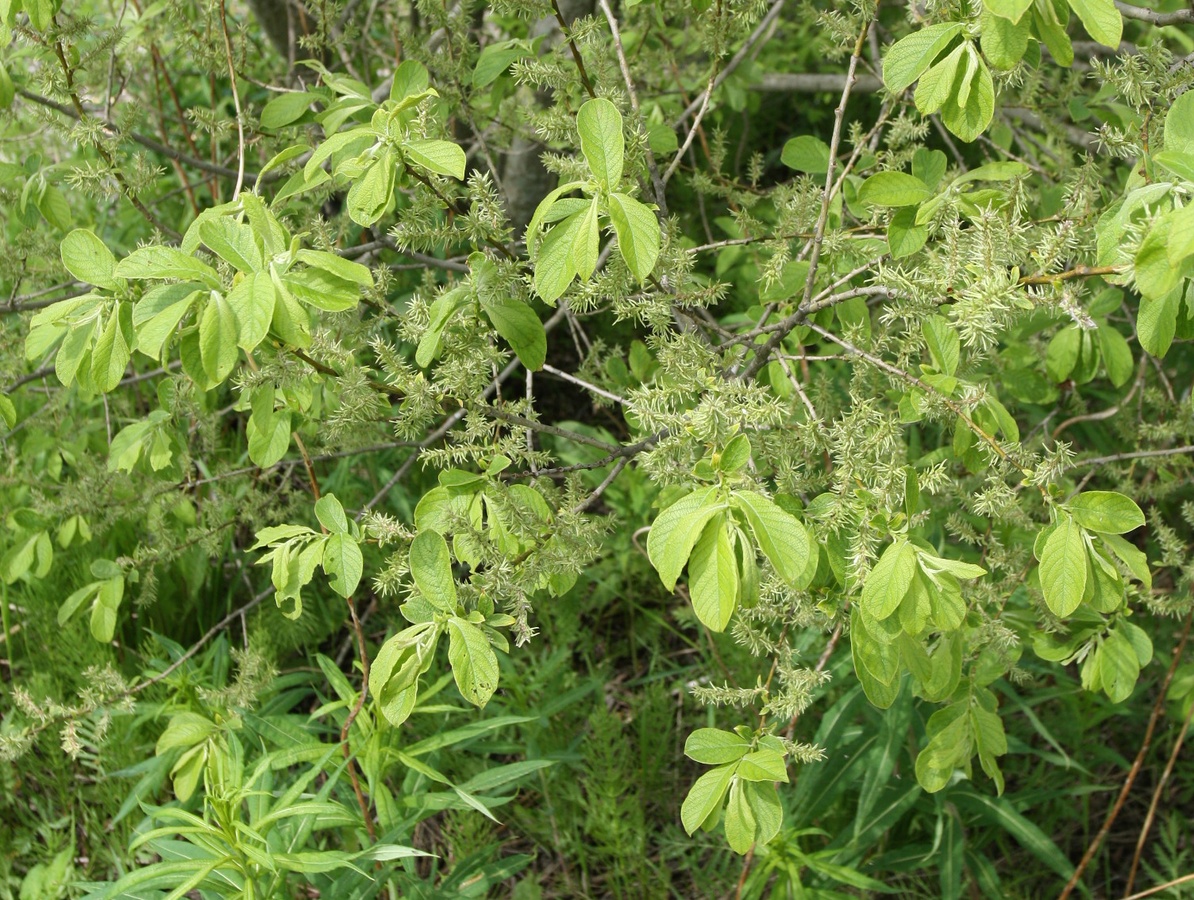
[1106, 511]
[893, 189]
[675, 530]
[705, 797]
[714, 747]
[713, 575]
[781, 537]
[431, 568]
[474, 664]
[440, 157]
[600, 126]
[1063, 567]
[1101, 20]
[343, 563]
[638, 234]
[331, 515]
[524, 332]
[806, 153]
[218, 338]
[912, 55]
[88, 259]
[890, 579]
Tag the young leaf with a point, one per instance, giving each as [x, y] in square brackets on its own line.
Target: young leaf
[1106, 511]
[714, 747]
[431, 568]
[781, 537]
[912, 55]
[87, 258]
[713, 575]
[1063, 567]
[600, 126]
[893, 189]
[440, 157]
[285, 108]
[330, 513]
[705, 797]
[638, 234]
[890, 579]
[806, 153]
[522, 329]
[474, 664]
[218, 339]
[675, 530]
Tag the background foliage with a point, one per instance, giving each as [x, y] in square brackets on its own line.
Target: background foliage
[564, 450]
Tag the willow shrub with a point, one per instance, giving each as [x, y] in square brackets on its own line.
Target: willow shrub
[916, 379]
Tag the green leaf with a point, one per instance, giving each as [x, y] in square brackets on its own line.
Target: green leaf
[1012, 10]
[763, 800]
[713, 575]
[410, 79]
[781, 537]
[1101, 20]
[890, 579]
[893, 189]
[7, 90]
[474, 664]
[740, 823]
[1117, 355]
[1106, 511]
[343, 563]
[165, 262]
[1062, 353]
[806, 153]
[8, 412]
[330, 514]
[763, 765]
[431, 568]
[269, 438]
[252, 302]
[938, 84]
[909, 57]
[218, 339]
[971, 106]
[555, 266]
[494, 60]
[945, 346]
[1050, 18]
[586, 242]
[637, 229]
[285, 108]
[1063, 567]
[157, 314]
[676, 530]
[524, 332]
[705, 797]
[1179, 125]
[370, 194]
[87, 258]
[714, 747]
[904, 236]
[440, 157]
[1004, 41]
[232, 242]
[1132, 557]
[105, 608]
[600, 126]
[344, 269]
[1156, 321]
[111, 355]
